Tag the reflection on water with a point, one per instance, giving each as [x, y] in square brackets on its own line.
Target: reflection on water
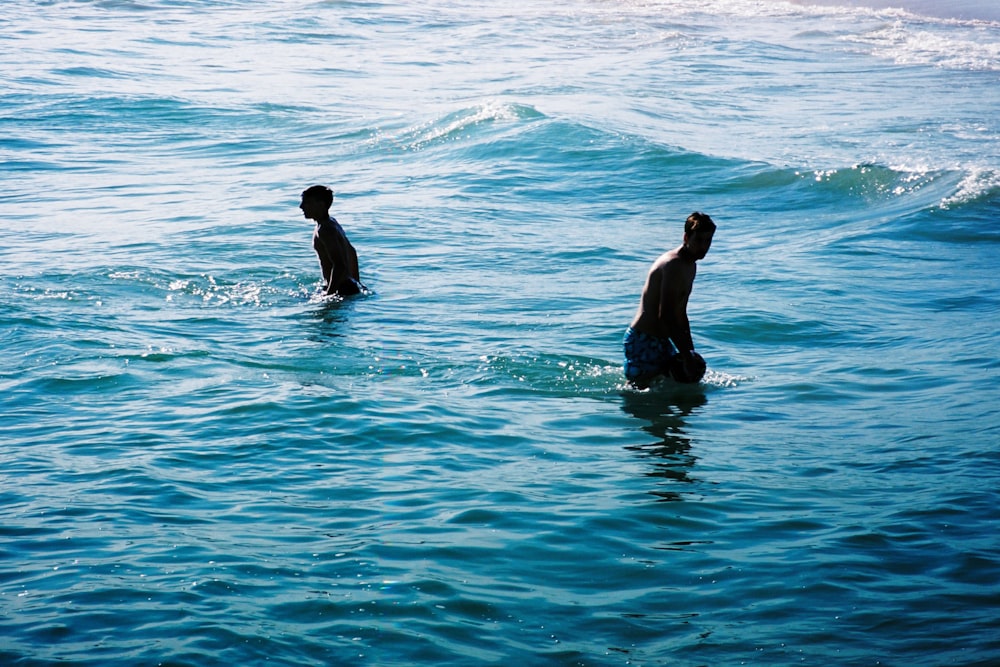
[664, 412]
[331, 313]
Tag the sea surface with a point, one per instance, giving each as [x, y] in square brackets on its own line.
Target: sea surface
[205, 462]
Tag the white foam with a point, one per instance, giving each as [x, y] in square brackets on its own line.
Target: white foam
[911, 43]
[721, 379]
[963, 35]
[965, 10]
[977, 182]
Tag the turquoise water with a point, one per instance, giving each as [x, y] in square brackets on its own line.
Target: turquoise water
[205, 463]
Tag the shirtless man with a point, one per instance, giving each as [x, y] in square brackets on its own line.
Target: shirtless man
[660, 328]
[337, 257]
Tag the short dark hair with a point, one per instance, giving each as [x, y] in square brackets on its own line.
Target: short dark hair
[699, 222]
[321, 192]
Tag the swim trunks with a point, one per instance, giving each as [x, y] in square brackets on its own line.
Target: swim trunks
[646, 355]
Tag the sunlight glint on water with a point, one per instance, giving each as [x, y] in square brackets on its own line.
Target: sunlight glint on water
[205, 462]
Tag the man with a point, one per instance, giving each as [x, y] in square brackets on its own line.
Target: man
[660, 328]
[337, 258]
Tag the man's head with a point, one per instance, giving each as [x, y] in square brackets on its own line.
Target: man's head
[316, 202]
[698, 232]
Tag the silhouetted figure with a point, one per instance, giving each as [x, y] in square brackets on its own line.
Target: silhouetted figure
[660, 332]
[337, 257]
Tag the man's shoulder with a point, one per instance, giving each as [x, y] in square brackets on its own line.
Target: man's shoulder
[664, 260]
[330, 226]
[334, 226]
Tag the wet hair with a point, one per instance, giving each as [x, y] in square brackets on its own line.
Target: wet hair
[320, 192]
[699, 222]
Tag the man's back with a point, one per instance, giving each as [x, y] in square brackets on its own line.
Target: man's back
[350, 253]
[665, 294]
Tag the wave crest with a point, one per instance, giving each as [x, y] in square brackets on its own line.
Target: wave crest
[457, 124]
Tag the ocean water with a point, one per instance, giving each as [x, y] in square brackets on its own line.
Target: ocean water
[203, 462]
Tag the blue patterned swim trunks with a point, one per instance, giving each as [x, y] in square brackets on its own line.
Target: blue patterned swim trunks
[646, 355]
